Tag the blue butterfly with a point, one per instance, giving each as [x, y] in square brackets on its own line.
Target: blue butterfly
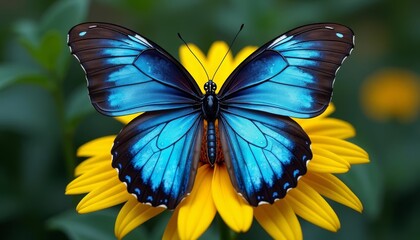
[265, 151]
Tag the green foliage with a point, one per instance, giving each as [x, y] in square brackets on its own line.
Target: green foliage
[14, 73]
[44, 101]
[93, 226]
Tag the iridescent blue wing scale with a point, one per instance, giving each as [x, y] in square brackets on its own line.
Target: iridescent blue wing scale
[265, 153]
[293, 74]
[157, 154]
[127, 73]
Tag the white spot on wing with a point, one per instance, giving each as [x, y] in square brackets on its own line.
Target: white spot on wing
[282, 37]
[93, 26]
[344, 58]
[143, 40]
[262, 203]
[162, 206]
[78, 59]
[329, 27]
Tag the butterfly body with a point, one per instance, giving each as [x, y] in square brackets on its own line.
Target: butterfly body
[265, 150]
[210, 108]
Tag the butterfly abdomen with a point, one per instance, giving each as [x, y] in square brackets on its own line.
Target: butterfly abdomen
[211, 142]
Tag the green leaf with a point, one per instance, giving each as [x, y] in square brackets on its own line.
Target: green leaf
[97, 225]
[366, 181]
[78, 105]
[9, 206]
[50, 48]
[16, 73]
[27, 30]
[47, 50]
[63, 15]
[46, 41]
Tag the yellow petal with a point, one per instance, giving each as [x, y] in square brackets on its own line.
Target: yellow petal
[91, 179]
[214, 57]
[132, 215]
[236, 213]
[95, 147]
[330, 127]
[197, 210]
[192, 65]
[307, 203]
[242, 55]
[92, 163]
[127, 118]
[330, 109]
[111, 193]
[325, 161]
[171, 231]
[279, 220]
[333, 188]
[350, 152]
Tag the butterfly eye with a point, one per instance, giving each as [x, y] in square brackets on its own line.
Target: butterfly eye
[213, 86]
[206, 86]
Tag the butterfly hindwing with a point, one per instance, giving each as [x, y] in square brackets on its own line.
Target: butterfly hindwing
[156, 155]
[265, 153]
[127, 73]
[293, 74]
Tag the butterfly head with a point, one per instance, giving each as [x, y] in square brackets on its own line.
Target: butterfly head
[210, 104]
[210, 87]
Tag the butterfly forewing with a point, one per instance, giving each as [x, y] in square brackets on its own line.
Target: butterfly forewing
[127, 73]
[293, 74]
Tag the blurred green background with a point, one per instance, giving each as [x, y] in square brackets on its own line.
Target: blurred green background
[45, 113]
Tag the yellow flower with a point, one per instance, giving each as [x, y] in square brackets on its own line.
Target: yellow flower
[392, 93]
[213, 192]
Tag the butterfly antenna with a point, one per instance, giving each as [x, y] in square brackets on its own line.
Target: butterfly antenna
[179, 35]
[230, 46]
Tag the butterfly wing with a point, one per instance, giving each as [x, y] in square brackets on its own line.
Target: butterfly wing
[293, 74]
[127, 73]
[157, 154]
[265, 153]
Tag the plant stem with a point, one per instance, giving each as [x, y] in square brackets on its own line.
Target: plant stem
[66, 130]
[225, 231]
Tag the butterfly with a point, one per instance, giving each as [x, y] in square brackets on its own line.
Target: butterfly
[264, 149]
